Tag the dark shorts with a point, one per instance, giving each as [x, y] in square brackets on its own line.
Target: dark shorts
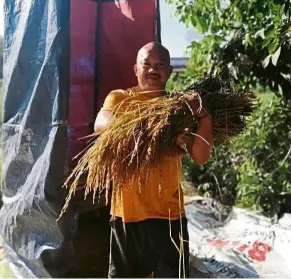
[137, 249]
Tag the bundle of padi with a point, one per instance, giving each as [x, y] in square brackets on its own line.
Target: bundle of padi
[228, 107]
[144, 132]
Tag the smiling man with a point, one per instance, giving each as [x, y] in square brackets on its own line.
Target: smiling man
[153, 68]
[149, 235]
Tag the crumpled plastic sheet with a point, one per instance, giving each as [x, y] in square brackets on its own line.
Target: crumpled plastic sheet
[36, 72]
[229, 242]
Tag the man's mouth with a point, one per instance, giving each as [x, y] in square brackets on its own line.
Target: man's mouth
[153, 76]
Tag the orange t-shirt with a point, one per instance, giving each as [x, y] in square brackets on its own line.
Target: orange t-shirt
[158, 199]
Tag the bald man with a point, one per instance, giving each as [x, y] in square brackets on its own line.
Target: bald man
[149, 235]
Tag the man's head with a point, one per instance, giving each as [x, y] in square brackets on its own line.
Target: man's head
[153, 67]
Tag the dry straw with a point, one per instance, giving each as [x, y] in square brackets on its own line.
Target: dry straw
[145, 132]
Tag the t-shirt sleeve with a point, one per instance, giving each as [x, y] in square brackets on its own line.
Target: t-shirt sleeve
[112, 100]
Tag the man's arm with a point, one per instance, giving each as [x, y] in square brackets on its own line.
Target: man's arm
[102, 120]
[105, 114]
[200, 146]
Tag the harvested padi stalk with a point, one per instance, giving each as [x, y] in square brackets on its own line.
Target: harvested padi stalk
[142, 133]
[228, 107]
[145, 132]
[229, 113]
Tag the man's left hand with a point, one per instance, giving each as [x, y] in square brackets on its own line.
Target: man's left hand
[183, 140]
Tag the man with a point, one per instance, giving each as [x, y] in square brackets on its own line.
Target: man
[149, 235]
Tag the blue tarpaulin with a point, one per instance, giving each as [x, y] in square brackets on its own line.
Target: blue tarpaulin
[35, 111]
[61, 59]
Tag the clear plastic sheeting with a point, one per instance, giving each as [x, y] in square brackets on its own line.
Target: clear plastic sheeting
[236, 243]
[36, 92]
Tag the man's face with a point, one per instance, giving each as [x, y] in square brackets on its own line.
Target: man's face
[152, 69]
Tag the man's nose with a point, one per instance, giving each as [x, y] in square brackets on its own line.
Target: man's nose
[153, 68]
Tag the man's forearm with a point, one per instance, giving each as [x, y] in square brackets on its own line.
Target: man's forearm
[102, 120]
[200, 145]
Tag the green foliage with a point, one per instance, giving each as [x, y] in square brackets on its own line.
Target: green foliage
[253, 169]
[172, 85]
[217, 178]
[264, 169]
[250, 39]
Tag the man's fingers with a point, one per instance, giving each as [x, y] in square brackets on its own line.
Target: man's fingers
[184, 133]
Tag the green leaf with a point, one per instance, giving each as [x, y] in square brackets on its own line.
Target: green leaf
[269, 38]
[193, 19]
[201, 25]
[208, 3]
[187, 22]
[272, 47]
[260, 33]
[235, 24]
[286, 76]
[266, 61]
[270, 33]
[276, 56]
[248, 39]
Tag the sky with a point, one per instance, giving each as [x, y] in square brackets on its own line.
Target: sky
[175, 36]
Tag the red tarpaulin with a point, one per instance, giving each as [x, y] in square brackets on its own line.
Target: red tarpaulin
[105, 38]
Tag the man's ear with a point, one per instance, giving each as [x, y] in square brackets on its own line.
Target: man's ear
[135, 69]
